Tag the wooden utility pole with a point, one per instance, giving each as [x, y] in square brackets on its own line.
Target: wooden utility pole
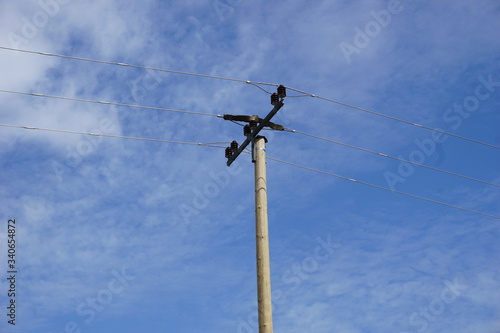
[251, 131]
[262, 233]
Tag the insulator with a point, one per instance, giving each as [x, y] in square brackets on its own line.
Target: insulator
[247, 130]
[234, 146]
[229, 152]
[281, 91]
[274, 99]
[253, 124]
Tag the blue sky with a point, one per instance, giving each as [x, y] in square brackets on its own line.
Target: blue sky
[120, 235]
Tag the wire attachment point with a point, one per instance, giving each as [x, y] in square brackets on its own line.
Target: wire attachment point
[234, 146]
[274, 99]
[229, 152]
[281, 91]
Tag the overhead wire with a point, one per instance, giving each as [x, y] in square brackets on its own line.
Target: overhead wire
[215, 145]
[237, 123]
[255, 84]
[383, 188]
[109, 103]
[289, 130]
[394, 118]
[295, 96]
[136, 66]
[392, 157]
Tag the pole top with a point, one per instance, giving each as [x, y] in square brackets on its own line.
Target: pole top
[261, 137]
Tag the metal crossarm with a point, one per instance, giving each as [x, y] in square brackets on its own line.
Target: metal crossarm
[255, 132]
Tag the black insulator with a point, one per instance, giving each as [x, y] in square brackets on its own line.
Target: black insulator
[234, 146]
[253, 124]
[229, 152]
[274, 99]
[247, 130]
[281, 91]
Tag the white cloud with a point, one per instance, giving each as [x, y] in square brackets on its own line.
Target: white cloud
[119, 203]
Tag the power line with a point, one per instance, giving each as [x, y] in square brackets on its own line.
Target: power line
[114, 136]
[392, 157]
[215, 115]
[215, 145]
[136, 66]
[255, 84]
[393, 118]
[383, 188]
[109, 103]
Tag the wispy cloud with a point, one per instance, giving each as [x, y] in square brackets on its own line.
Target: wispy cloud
[181, 223]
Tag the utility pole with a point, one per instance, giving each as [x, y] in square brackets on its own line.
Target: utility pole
[262, 233]
[251, 131]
